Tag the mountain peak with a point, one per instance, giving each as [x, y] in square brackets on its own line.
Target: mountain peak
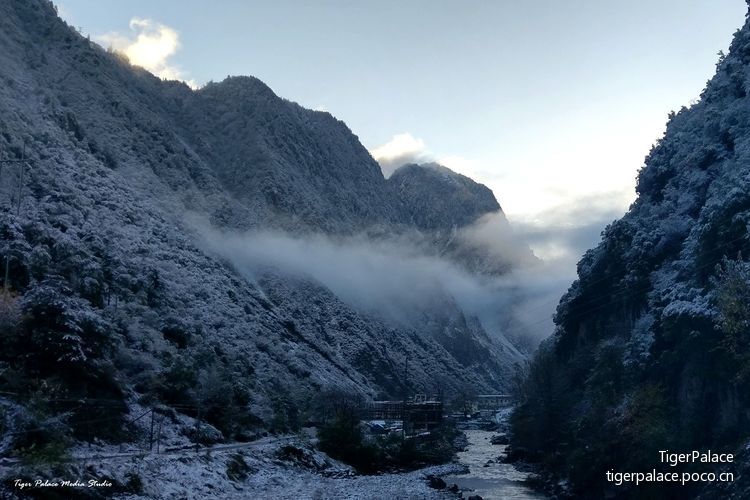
[436, 197]
[242, 86]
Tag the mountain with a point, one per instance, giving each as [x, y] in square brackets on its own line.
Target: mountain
[118, 298]
[651, 344]
[434, 197]
[461, 218]
[295, 166]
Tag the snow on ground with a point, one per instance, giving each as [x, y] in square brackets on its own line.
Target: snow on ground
[302, 473]
[204, 476]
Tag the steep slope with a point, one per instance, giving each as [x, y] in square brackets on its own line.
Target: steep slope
[651, 347]
[461, 219]
[114, 298]
[434, 197]
[302, 169]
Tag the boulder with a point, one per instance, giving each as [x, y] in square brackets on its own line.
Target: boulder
[436, 483]
[499, 439]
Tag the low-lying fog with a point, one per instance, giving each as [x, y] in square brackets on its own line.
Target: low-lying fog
[396, 277]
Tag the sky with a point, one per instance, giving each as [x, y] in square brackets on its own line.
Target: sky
[554, 105]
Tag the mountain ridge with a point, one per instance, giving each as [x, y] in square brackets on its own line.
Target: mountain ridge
[104, 265]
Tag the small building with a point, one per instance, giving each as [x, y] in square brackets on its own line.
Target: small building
[417, 413]
[384, 410]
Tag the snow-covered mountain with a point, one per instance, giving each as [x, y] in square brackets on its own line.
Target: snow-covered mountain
[651, 347]
[293, 167]
[119, 294]
[434, 197]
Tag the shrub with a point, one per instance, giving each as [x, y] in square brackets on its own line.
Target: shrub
[60, 350]
[237, 468]
[40, 435]
[133, 483]
[343, 440]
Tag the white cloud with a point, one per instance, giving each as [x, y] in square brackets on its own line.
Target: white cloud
[400, 150]
[151, 46]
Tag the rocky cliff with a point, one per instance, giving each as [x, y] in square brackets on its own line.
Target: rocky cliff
[651, 347]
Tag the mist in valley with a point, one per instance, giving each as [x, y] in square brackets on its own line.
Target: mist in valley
[402, 278]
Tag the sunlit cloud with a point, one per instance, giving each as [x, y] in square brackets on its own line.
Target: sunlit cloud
[150, 45]
[400, 150]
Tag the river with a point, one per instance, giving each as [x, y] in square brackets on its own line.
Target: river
[497, 480]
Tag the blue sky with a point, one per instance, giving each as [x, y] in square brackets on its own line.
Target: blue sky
[553, 104]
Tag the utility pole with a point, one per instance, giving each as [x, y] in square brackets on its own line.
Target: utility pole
[158, 439]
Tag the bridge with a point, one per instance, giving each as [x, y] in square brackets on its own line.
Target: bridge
[493, 401]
